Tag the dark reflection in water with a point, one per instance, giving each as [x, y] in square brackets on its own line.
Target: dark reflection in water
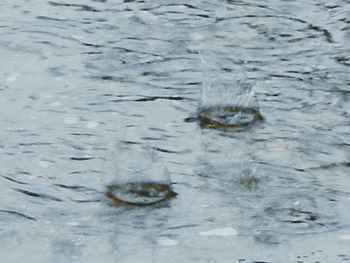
[76, 76]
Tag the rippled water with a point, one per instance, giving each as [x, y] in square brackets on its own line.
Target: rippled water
[74, 77]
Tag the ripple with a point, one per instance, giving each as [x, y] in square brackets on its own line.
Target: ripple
[227, 118]
[345, 61]
[17, 214]
[12, 179]
[81, 158]
[79, 7]
[77, 188]
[308, 215]
[37, 195]
[160, 98]
[331, 166]
[138, 194]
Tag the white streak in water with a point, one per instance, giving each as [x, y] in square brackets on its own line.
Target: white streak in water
[344, 237]
[71, 119]
[91, 124]
[11, 79]
[44, 164]
[223, 232]
[163, 241]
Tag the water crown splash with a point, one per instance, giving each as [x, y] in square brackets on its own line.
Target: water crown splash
[228, 103]
[140, 177]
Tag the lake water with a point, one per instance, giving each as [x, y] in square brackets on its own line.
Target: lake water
[75, 78]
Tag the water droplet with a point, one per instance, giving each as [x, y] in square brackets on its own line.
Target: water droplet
[297, 202]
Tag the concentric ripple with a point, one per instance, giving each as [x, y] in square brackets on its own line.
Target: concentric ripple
[228, 118]
[139, 194]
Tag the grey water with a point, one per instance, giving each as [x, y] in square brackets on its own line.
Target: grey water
[76, 75]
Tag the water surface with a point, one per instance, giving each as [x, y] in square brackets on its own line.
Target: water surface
[75, 76]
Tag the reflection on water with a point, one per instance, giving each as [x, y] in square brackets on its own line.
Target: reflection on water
[76, 76]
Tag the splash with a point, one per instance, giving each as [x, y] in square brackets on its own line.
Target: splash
[139, 194]
[140, 179]
[228, 103]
